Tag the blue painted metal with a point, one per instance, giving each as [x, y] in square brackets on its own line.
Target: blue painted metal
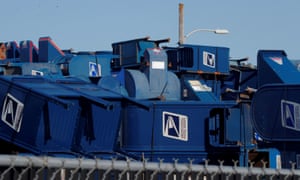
[49, 51]
[49, 70]
[274, 108]
[59, 121]
[28, 51]
[112, 84]
[275, 67]
[156, 71]
[277, 104]
[241, 78]
[197, 88]
[13, 50]
[276, 101]
[20, 125]
[168, 130]
[99, 117]
[144, 101]
[173, 127]
[90, 65]
[207, 59]
[131, 52]
[155, 81]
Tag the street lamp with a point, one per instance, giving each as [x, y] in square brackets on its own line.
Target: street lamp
[216, 31]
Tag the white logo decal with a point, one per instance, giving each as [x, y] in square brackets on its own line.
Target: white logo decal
[12, 112]
[209, 59]
[290, 115]
[175, 126]
[94, 69]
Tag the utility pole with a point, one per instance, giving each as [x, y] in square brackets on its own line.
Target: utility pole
[181, 24]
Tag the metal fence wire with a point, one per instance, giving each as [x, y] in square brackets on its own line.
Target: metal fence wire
[16, 167]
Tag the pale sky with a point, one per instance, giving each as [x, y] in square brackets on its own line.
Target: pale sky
[96, 24]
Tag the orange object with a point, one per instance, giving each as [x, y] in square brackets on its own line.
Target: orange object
[2, 51]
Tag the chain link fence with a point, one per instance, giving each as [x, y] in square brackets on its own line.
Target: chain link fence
[32, 167]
